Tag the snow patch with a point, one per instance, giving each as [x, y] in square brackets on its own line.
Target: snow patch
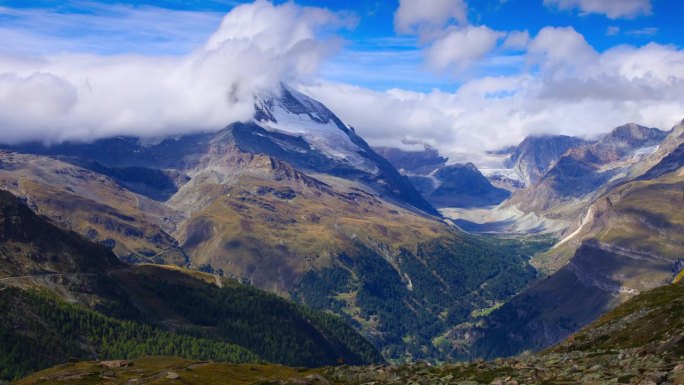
[326, 138]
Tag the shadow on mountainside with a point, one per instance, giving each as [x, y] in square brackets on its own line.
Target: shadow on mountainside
[558, 305]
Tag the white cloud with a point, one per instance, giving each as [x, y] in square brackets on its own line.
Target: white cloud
[427, 16]
[643, 32]
[613, 9]
[448, 41]
[517, 40]
[574, 90]
[72, 96]
[561, 84]
[459, 48]
[562, 50]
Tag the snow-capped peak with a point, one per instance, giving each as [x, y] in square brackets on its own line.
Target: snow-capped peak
[296, 114]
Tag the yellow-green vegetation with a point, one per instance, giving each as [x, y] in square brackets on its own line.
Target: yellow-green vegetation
[165, 370]
[301, 221]
[646, 216]
[477, 313]
[679, 277]
[93, 205]
[133, 311]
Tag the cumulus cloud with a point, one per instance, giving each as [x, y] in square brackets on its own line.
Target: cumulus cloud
[570, 89]
[517, 40]
[613, 9]
[428, 16]
[459, 48]
[70, 96]
[562, 50]
[449, 42]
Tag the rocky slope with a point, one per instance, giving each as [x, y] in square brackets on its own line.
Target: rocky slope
[629, 242]
[587, 171]
[536, 155]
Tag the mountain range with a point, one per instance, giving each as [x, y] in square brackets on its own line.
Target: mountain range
[136, 232]
[293, 202]
[63, 296]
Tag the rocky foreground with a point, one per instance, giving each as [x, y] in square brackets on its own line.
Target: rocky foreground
[618, 367]
[629, 366]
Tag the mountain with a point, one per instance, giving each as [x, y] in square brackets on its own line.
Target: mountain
[630, 241]
[442, 185]
[535, 155]
[585, 172]
[459, 185]
[288, 126]
[293, 202]
[62, 296]
[411, 162]
[32, 246]
[638, 342]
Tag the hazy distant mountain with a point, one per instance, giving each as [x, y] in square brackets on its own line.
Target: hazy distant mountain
[535, 155]
[586, 171]
[459, 185]
[454, 185]
[413, 162]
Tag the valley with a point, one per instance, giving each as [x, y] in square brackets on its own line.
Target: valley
[336, 229]
[274, 204]
[413, 192]
[640, 341]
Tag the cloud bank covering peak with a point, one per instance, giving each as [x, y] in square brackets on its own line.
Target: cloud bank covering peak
[510, 83]
[84, 96]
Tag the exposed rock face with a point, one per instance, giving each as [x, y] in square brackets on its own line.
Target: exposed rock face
[585, 172]
[535, 155]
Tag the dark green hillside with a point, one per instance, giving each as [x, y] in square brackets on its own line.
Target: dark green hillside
[115, 311]
[639, 342]
[39, 330]
[277, 330]
[446, 283]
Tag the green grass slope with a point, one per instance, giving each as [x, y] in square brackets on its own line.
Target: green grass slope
[652, 322]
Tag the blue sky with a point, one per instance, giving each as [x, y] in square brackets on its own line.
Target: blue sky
[374, 55]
